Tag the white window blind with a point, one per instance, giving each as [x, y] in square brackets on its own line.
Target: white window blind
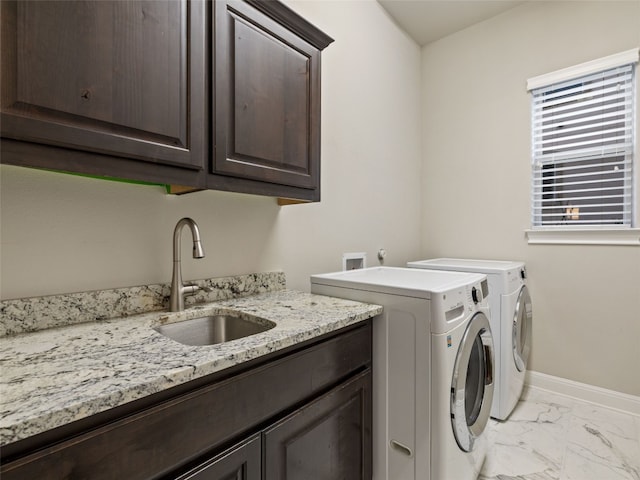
[583, 150]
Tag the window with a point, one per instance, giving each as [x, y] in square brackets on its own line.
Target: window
[583, 145]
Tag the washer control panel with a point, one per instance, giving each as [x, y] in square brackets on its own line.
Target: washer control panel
[463, 300]
[478, 294]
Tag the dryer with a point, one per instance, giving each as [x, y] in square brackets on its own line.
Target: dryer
[432, 368]
[511, 322]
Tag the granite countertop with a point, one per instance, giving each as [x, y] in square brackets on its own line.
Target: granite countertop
[55, 376]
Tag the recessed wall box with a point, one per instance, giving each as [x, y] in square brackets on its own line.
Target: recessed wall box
[353, 261]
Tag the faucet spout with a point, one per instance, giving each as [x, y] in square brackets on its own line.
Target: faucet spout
[178, 289]
[198, 251]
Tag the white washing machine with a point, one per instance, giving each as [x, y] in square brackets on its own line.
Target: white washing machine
[432, 368]
[511, 322]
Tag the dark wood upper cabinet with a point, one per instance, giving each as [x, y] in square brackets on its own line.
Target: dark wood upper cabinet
[118, 79]
[267, 97]
[222, 95]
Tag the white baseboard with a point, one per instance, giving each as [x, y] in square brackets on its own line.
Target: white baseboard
[582, 391]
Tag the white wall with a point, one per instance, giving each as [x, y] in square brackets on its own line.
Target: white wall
[63, 233]
[476, 173]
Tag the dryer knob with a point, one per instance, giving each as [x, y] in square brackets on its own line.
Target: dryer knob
[476, 295]
[523, 274]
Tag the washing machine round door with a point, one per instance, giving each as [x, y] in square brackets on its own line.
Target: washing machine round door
[522, 324]
[472, 386]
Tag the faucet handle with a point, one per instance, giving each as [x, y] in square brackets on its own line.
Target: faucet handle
[190, 289]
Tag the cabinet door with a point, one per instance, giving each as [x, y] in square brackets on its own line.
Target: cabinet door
[242, 462]
[124, 79]
[329, 439]
[267, 99]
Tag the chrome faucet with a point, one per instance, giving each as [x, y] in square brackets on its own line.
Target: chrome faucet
[178, 289]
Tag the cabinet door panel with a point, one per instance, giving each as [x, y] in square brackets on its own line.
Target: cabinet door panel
[329, 439]
[267, 99]
[119, 78]
[271, 113]
[242, 462]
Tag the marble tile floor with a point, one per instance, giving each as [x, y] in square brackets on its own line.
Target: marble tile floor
[554, 437]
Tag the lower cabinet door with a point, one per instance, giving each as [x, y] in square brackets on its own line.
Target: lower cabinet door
[242, 462]
[328, 439]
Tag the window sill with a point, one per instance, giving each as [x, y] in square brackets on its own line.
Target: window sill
[627, 236]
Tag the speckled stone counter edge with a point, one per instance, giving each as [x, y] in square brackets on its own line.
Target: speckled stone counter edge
[58, 375]
[38, 313]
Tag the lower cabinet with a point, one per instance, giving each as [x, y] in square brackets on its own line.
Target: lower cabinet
[304, 413]
[327, 439]
[242, 462]
[330, 439]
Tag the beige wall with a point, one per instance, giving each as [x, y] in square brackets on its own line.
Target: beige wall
[62, 233]
[476, 177]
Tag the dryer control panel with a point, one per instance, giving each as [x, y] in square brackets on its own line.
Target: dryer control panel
[515, 277]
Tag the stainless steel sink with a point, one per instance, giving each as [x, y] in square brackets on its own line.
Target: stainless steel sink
[213, 329]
